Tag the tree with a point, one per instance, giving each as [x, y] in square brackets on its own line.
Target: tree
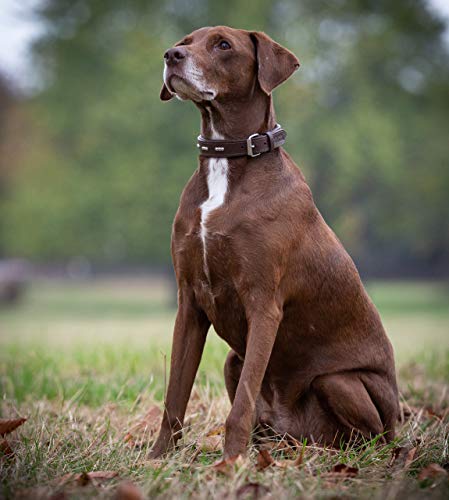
[366, 116]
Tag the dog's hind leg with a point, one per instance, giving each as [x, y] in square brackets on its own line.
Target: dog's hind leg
[384, 394]
[232, 371]
[347, 402]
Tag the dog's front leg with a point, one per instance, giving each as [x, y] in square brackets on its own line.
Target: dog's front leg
[263, 324]
[189, 335]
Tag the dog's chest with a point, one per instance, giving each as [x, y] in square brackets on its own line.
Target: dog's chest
[203, 225]
[217, 187]
[204, 255]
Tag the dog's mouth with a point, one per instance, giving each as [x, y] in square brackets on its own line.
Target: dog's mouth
[184, 89]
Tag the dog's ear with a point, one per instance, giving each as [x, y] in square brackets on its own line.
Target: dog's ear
[274, 62]
[165, 94]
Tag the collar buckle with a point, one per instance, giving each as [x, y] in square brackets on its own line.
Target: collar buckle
[250, 146]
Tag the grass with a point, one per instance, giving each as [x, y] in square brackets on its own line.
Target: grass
[85, 361]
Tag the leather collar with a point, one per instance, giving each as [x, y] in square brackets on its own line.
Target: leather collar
[254, 145]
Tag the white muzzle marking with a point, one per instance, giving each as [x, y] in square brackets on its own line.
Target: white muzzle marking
[195, 77]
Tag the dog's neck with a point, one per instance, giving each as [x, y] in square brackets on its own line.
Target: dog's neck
[237, 120]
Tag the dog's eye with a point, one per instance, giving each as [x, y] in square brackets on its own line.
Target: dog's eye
[185, 41]
[224, 45]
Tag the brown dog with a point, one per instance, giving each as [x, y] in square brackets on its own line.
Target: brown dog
[253, 257]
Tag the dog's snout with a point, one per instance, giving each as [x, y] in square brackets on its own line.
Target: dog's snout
[174, 55]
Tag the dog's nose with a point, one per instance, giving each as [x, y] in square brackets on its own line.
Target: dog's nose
[174, 56]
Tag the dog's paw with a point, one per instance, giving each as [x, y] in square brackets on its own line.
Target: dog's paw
[229, 465]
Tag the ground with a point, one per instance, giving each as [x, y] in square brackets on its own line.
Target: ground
[86, 362]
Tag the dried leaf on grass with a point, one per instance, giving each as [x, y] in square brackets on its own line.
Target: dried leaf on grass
[438, 415]
[128, 491]
[5, 448]
[216, 431]
[85, 478]
[6, 427]
[264, 460]
[282, 446]
[402, 457]
[339, 474]
[209, 443]
[432, 472]
[145, 428]
[212, 441]
[9, 425]
[344, 470]
[252, 490]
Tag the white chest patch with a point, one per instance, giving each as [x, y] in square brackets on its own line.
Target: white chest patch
[217, 184]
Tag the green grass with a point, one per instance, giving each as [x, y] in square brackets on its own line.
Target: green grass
[83, 361]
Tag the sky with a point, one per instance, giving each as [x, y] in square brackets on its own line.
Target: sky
[19, 28]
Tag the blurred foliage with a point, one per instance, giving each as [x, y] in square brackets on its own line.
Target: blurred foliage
[367, 118]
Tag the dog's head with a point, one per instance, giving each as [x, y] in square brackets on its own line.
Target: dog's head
[224, 63]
